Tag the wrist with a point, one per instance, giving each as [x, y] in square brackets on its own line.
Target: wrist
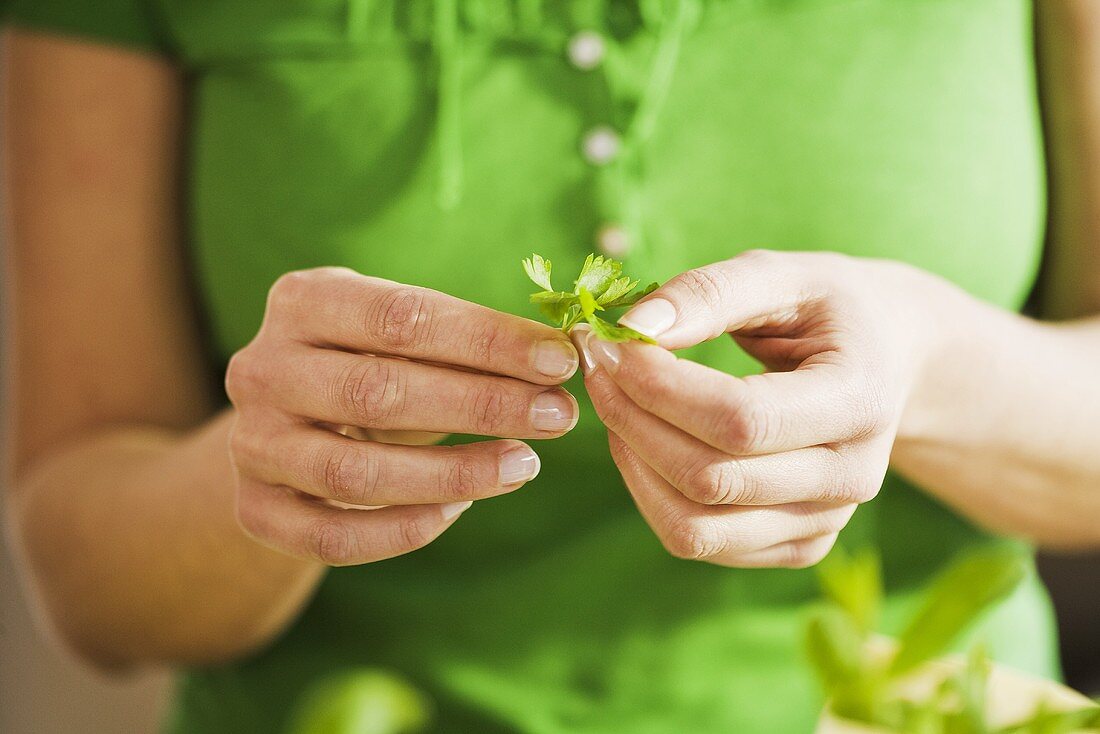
[964, 345]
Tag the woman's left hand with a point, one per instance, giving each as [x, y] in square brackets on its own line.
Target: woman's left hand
[764, 470]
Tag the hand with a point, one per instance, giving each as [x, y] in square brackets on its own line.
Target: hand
[338, 349]
[765, 470]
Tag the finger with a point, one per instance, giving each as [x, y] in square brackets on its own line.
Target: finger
[703, 474]
[339, 308]
[750, 290]
[405, 438]
[298, 525]
[328, 465]
[718, 534]
[826, 402]
[394, 394]
[792, 554]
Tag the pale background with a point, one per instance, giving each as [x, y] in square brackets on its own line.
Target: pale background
[43, 692]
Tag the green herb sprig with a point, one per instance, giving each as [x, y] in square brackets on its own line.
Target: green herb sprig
[600, 286]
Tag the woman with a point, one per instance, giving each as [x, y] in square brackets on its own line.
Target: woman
[203, 183]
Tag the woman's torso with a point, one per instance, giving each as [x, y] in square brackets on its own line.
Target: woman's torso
[903, 129]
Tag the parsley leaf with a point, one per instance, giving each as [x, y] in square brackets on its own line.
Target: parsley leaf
[538, 270]
[630, 298]
[600, 286]
[618, 289]
[614, 333]
[597, 275]
[554, 304]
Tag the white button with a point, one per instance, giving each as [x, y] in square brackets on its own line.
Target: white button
[586, 50]
[601, 145]
[613, 241]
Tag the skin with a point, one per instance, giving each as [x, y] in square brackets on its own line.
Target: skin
[129, 488]
[122, 505]
[871, 364]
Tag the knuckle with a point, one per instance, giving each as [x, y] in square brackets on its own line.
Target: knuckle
[369, 390]
[244, 447]
[803, 554]
[730, 485]
[486, 407]
[854, 489]
[331, 542]
[464, 477]
[291, 287]
[489, 407]
[330, 272]
[484, 344]
[807, 520]
[745, 427]
[759, 256]
[795, 555]
[613, 409]
[864, 489]
[244, 375]
[713, 483]
[837, 492]
[691, 540]
[288, 288]
[340, 473]
[850, 482]
[618, 449]
[838, 482]
[871, 410]
[400, 319]
[708, 285]
[410, 534]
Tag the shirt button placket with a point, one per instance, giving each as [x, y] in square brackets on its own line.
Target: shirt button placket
[613, 240]
[586, 50]
[601, 147]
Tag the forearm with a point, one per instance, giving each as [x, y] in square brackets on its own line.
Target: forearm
[1004, 423]
[133, 550]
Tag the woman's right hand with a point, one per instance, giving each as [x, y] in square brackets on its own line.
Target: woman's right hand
[338, 349]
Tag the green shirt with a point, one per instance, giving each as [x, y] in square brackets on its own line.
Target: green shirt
[437, 143]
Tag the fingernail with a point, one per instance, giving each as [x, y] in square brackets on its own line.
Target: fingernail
[606, 354]
[554, 411]
[555, 358]
[651, 318]
[451, 510]
[579, 335]
[518, 465]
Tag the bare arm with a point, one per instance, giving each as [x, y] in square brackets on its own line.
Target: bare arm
[1006, 423]
[120, 487]
[151, 527]
[875, 363]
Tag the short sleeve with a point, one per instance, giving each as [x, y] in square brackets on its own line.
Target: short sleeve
[129, 23]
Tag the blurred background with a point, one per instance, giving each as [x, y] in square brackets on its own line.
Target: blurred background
[1074, 582]
[42, 691]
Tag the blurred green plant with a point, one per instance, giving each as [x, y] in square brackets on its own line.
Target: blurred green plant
[860, 681]
[365, 701]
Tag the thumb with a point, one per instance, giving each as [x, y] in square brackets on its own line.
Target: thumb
[754, 289]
